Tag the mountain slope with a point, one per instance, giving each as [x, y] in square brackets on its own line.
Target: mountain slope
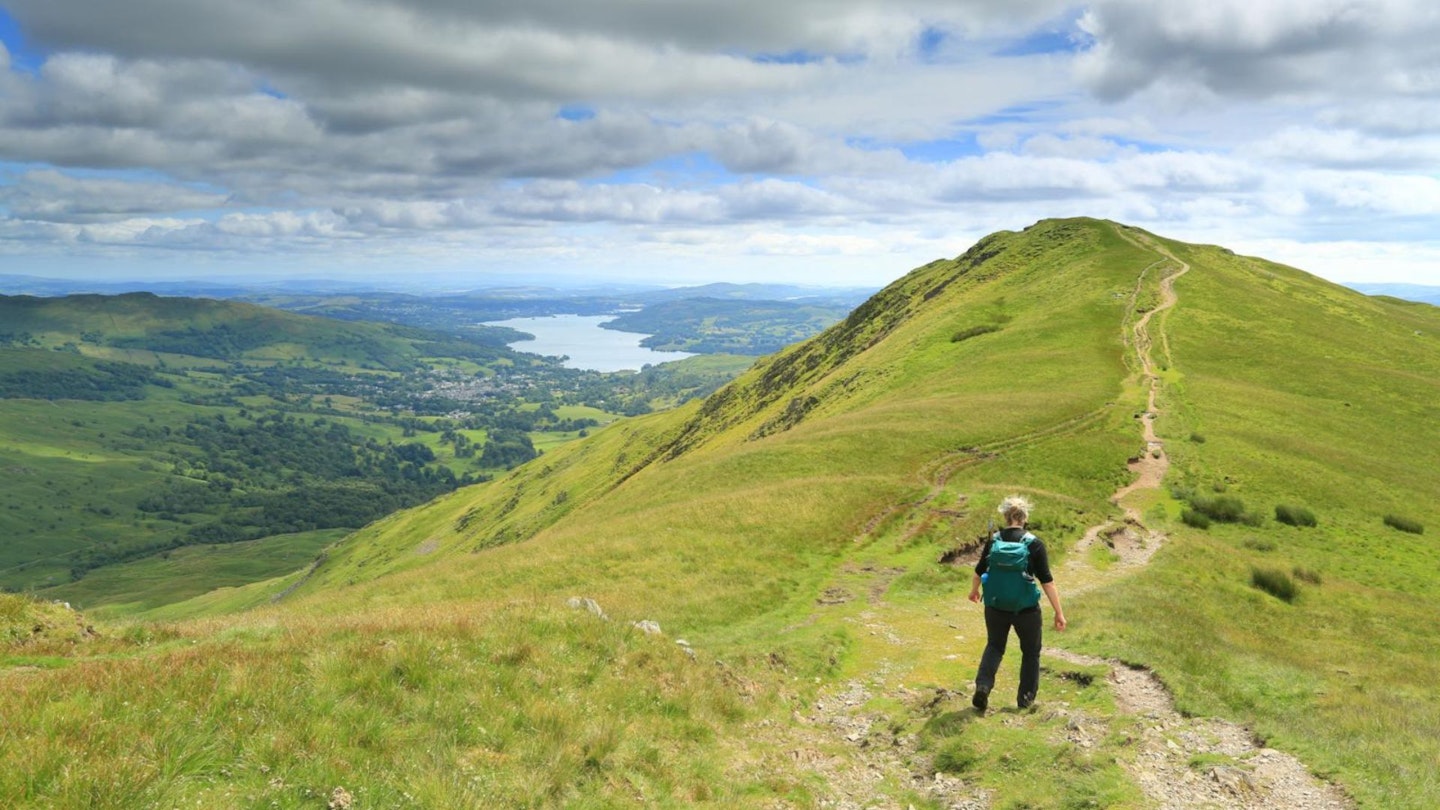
[787, 528]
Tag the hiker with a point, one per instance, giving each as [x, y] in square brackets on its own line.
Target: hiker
[1011, 563]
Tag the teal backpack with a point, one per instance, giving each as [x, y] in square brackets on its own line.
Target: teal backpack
[1008, 585]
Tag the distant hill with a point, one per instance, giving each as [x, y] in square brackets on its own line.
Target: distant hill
[201, 327]
[1408, 292]
[817, 296]
[740, 602]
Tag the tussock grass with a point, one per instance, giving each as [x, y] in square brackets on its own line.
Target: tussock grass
[1260, 544]
[1195, 518]
[1404, 524]
[1294, 515]
[479, 705]
[973, 331]
[1275, 582]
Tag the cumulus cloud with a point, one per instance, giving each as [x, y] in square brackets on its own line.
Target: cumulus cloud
[748, 129]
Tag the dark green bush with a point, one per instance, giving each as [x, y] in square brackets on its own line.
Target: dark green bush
[1309, 575]
[1221, 509]
[1197, 438]
[1404, 524]
[974, 331]
[1275, 582]
[1197, 519]
[1294, 515]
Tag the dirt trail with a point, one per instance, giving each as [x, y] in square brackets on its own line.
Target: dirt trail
[1178, 762]
[1243, 774]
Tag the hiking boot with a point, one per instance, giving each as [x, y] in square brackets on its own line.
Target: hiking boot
[981, 699]
[1025, 701]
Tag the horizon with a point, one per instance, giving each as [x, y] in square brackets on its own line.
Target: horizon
[830, 144]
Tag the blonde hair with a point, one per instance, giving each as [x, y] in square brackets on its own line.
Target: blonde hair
[1015, 509]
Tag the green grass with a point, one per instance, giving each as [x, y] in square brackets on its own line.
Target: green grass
[1307, 393]
[188, 572]
[429, 660]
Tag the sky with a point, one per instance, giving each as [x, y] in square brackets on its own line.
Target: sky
[826, 142]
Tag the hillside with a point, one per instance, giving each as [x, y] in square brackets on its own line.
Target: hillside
[788, 529]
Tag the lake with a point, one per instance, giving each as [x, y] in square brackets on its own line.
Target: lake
[580, 338]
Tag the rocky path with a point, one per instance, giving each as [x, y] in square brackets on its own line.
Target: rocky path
[863, 759]
[1235, 772]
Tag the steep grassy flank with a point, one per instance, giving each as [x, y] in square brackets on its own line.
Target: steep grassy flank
[1304, 393]
[780, 528]
[884, 393]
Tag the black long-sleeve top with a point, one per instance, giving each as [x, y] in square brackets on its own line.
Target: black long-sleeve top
[1039, 558]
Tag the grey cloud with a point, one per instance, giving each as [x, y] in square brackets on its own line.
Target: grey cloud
[1247, 49]
[362, 36]
[486, 50]
[763, 146]
[55, 197]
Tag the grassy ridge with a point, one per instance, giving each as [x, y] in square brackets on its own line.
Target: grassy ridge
[844, 465]
[1305, 393]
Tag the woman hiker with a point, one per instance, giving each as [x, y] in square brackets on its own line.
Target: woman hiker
[1012, 561]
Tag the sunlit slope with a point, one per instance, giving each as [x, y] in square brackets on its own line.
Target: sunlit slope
[141, 327]
[731, 508]
[1287, 390]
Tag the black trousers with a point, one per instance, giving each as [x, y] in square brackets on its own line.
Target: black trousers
[1027, 625]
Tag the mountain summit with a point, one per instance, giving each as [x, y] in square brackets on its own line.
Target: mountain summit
[760, 615]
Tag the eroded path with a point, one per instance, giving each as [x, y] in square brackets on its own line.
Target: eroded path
[860, 758]
[1241, 774]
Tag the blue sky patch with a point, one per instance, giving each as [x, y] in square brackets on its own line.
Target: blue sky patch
[22, 56]
[576, 112]
[694, 169]
[930, 41]
[1062, 35]
[1042, 42]
[788, 58]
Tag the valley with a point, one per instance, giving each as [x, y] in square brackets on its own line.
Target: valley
[136, 426]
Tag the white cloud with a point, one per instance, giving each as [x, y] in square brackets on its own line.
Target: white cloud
[779, 137]
[1347, 148]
